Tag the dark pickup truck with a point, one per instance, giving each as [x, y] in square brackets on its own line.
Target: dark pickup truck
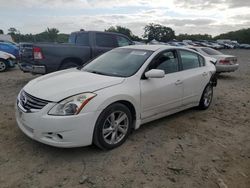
[42, 58]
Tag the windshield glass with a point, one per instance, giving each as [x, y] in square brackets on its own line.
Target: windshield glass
[211, 51]
[119, 62]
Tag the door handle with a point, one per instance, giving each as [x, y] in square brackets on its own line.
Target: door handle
[204, 74]
[178, 82]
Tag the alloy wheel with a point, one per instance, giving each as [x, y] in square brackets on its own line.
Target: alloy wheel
[115, 127]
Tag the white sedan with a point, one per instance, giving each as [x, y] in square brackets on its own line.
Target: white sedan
[105, 100]
[224, 63]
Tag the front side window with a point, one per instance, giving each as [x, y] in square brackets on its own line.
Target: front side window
[167, 61]
[118, 62]
[189, 60]
[105, 40]
[122, 41]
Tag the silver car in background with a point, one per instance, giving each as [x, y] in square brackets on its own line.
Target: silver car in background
[224, 63]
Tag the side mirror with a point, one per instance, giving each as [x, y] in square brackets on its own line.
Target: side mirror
[155, 73]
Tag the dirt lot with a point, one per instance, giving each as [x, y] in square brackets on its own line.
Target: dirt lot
[190, 149]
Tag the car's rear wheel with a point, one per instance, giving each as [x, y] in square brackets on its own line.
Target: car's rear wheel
[113, 126]
[3, 65]
[207, 97]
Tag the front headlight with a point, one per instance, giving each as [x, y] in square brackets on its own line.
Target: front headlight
[72, 105]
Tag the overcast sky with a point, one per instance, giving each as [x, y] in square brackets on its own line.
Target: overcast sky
[184, 16]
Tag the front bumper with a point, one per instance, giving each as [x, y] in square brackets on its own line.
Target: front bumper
[226, 68]
[35, 69]
[58, 131]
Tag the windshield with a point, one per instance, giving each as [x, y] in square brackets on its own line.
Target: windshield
[119, 62]
[211, 51]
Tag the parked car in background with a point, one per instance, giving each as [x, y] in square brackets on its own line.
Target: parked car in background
[244, 46]
[176, 43]
[215, 45]
[82, 47]
[9, 48]
[6, 61]
[116, 92]
[224, 63]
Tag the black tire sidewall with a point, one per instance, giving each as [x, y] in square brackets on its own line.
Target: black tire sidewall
[68, 65]
[202, 101]
[6, 66]
[98, 137]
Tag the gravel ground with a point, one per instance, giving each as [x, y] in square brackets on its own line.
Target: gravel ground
[190, 149]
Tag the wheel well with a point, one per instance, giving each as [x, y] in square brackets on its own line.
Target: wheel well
[72, 59]
[3, 59]
[131, 109]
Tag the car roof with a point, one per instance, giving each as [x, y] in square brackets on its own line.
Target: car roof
[152, 47]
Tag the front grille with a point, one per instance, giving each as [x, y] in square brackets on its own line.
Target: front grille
[31, 103]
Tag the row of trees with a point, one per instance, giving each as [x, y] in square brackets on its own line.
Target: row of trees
[49, 35]
[242, 36]
[152, 31]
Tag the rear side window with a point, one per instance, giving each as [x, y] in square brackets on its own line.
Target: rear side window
[106, 40]
[189, 60]
[82, 39]
[72, 38]
[122, 41]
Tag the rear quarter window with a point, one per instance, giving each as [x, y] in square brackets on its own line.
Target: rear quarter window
[72, 38]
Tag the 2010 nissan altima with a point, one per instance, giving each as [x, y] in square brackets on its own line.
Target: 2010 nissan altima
[105, 100]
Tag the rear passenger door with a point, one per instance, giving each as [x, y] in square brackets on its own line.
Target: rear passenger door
[194, 75]
[103, 43]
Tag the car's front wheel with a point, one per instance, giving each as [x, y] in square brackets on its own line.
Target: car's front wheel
[207, 97]
[113, 126]
[3, 65]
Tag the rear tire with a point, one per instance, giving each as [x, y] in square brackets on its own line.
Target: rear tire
[68, 65]
[206, 98]
[3, 65]
[113, 126]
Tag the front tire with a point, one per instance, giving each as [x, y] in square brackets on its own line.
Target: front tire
[113, 126]
[3, 65]
[206, 98]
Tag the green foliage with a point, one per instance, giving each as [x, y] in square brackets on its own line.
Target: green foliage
[124, 31]
[186, 36]
[12, 31]
[158, 32]
[1, 31]
[49, 35]
[151, 31]
[242, 36]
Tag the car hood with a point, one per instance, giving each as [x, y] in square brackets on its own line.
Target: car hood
[62, 84]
